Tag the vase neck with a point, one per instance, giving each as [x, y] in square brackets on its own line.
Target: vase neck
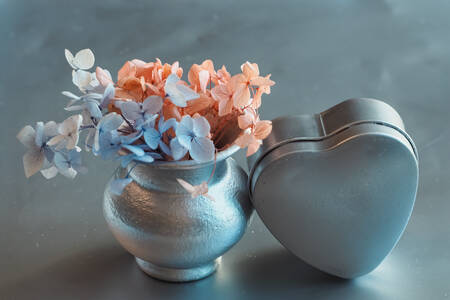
[164, 178]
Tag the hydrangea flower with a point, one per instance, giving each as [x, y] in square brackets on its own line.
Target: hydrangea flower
[192, 135]
[195, 190]
[36, 142]
[255, 131]
[153, 137]
[178, 93]
[68, 163]
[92, 102]
[120, 117]
[68, 133]
[107, 140]
[137, 154]
[141, 113]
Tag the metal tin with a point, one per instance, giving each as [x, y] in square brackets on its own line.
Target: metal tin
[337, 188]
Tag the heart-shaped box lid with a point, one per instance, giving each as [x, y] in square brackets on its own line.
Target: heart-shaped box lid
[337, 188]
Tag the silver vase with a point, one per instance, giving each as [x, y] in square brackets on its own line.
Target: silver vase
[173, 236]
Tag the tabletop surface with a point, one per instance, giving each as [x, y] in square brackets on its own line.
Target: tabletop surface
[54, 242]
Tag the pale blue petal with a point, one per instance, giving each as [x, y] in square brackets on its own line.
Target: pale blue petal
[107, 95]
[130, 138]
[49, 154]
[39, 138]
[165, 125]
[131, 110]
[117, 186]
[173, 78]
[165, 148]
[93, 109]
[145, 159]
[152, 105]
[187, 92]
[185, 141]
[134, 149]
[126, 160]
[177, 150]
[201, 127]
[110, 122]
[61, 161]
[202, 149]
[152, 137]
[185, 127]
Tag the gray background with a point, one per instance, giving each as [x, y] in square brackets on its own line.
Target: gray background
[54, 243]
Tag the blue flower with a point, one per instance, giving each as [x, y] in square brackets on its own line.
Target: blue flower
[107, 140]
[178, 93]
[141, 114]
[91, 102]
[39, 154]
[137, 154]
[117, 186]
[153, 137]
[68, 163]
[191, 135]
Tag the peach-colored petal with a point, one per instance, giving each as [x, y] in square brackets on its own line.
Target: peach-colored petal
[203, 77]
[170, 111]
[241, 96]
[103, 77]
[253, 146]
[245, 121]
[225, 107]
[198, 104]
[261, 81]
[262, 129]
[221, 92]
[127, 70]
[221, 77]
[244, 140]
[250, 70]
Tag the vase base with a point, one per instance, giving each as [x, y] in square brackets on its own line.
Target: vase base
[178, 275]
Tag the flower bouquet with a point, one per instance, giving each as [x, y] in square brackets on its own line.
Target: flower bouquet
[149, 114]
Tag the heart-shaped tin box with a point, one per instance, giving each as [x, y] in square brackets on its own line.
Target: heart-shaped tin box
[337, 188]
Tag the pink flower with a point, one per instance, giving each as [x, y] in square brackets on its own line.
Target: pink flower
[255, 131]
[240, 84]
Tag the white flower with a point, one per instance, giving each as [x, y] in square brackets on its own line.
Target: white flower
[68, 133]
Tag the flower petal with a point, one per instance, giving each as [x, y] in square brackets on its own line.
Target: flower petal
[185, 141]
[49, 173]
[131, 110]
[117, 186]
[27, 136]
[262, 129]
[201, 126]
[134, 149]
[241, 96]
[178, 151]
[152, 105]
[33, 160]
[202, 149]
[185, 127]
[103, 76]
[203, 77]
[84, 59]
[152, 138]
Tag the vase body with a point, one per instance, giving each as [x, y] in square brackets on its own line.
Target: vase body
[173, 236]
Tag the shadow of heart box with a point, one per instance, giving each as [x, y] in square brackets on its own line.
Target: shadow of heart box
[337, 188]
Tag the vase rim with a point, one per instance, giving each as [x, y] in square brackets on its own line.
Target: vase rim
[192, 163]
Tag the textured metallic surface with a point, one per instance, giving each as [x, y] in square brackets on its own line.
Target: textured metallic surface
[176, 237]
[350, 189]
[54, 241]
